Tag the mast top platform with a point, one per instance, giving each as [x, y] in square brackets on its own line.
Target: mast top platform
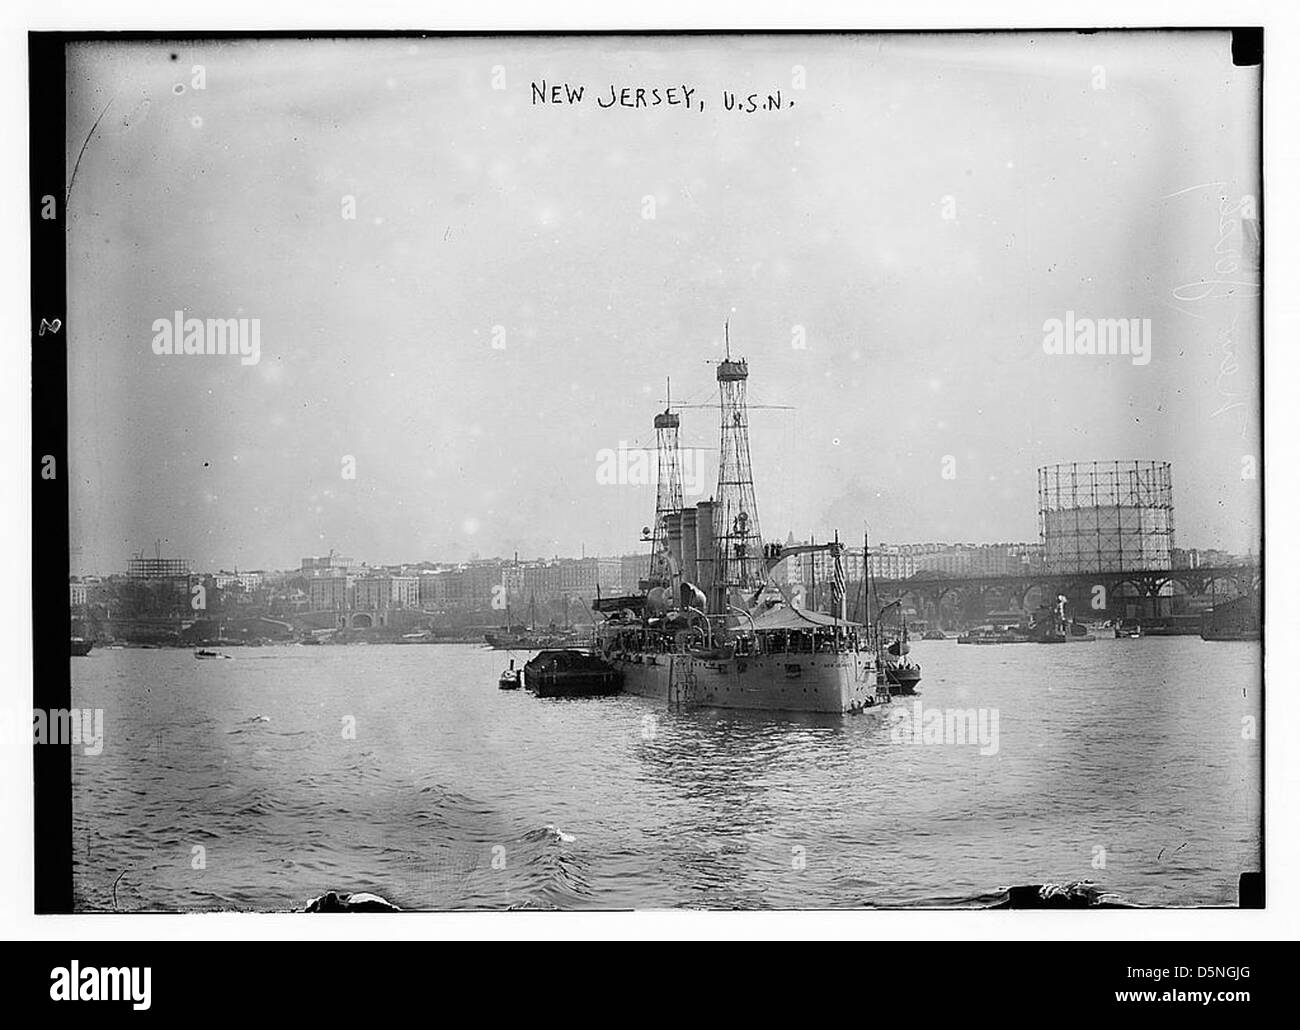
[732, 370]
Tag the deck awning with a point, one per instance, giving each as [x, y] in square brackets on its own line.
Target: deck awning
[783, 617]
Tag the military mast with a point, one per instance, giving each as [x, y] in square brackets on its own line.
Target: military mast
[668, 497]
[740, 572]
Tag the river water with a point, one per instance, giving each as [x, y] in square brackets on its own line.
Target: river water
[260, 782]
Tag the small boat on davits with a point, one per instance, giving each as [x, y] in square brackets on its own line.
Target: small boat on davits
[901, 672]
[902, 676]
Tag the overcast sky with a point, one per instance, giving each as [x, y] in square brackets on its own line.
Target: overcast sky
[501, 308]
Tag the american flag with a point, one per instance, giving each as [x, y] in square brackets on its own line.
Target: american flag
[837, 587]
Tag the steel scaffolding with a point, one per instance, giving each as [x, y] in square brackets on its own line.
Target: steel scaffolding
[1106, 516]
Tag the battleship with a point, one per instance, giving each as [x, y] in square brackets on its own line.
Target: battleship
[712, 625]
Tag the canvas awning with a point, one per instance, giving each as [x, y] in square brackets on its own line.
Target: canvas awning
[787, 618]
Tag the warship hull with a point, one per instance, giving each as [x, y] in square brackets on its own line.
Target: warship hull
[836, 683]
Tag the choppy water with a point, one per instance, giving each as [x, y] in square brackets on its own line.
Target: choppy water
[456, 795]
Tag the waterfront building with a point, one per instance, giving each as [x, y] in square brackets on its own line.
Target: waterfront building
[329, 593]
[580, 577]
[529, 581]
[329, 565]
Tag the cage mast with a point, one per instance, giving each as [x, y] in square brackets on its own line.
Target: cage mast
[668, 494]
[739, 565]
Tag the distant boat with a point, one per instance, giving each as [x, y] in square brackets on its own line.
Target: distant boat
[995, 635]
[201, 653]
[514, 637]
[1231, 634]
[80, 648]
[532, 641]
[1054, 626]
[1074, 633]
[1130, 630]
[423, 637]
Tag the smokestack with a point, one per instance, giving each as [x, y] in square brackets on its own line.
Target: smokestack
[704, 545]
[673, 523]
[690, 533]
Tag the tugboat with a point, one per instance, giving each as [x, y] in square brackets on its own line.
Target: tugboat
[1053, 627]
[510, 678]
[570, 673]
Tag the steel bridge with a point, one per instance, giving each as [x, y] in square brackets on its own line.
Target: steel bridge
[1080, 587]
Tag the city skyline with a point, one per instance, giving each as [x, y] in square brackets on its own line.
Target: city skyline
[884, 548]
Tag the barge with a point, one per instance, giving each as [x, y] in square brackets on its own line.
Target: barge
[571, 673]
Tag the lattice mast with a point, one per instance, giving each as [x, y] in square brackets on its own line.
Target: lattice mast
[668, 496]
[740, 569]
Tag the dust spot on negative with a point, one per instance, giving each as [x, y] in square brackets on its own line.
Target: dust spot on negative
[179, 88]
[123, 119]
[175, 57]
